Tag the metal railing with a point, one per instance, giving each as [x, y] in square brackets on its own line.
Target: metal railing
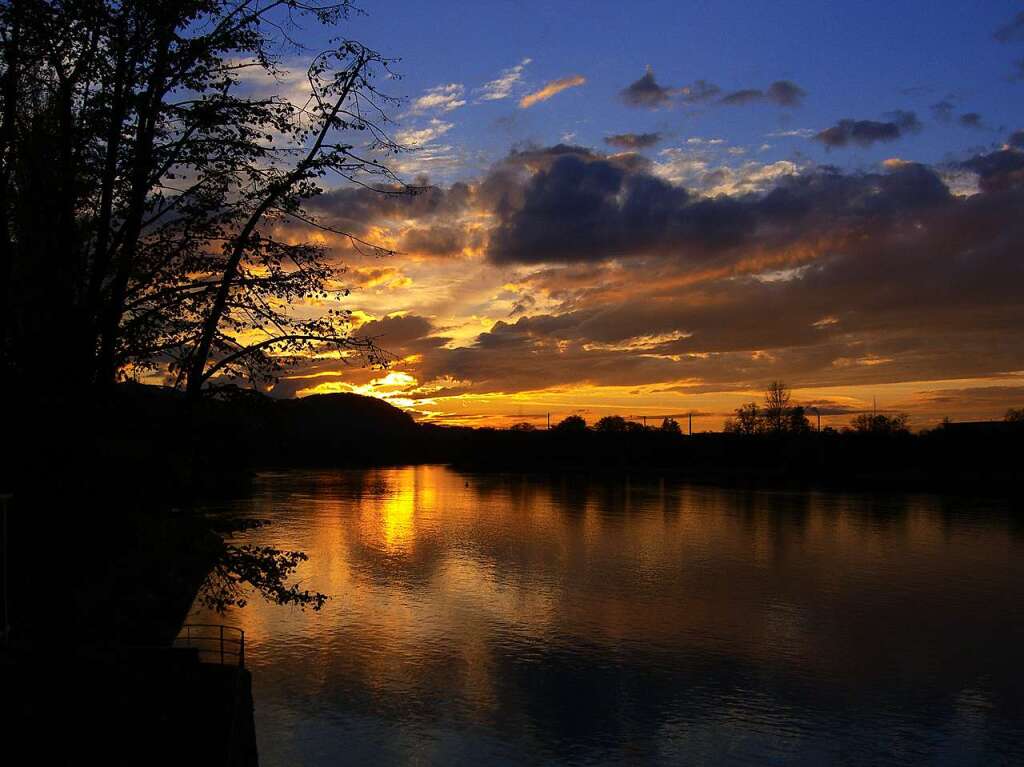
[215, 643]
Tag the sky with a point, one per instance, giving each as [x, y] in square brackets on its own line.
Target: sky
[657, 208]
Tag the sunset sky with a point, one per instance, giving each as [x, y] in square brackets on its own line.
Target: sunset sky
[657, 208]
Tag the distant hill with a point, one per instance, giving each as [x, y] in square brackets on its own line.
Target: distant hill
[239, 428]
[337, 429]
[346, 411]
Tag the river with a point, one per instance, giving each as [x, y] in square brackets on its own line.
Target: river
[508, 619]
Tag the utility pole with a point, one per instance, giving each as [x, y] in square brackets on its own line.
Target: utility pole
[690, 418]
[549, 421]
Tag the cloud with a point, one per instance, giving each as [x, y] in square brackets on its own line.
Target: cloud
[360, 210]
[1012, 31]
[786, 93]
[414, 137]
[378, 277]
[983, 400]
[435, 240]
[1001, 170]
[565, 267]
[551, 89]
[739, 98]
[710, 168]
[782, 92]
[582, 207]
[443, 98]
[943, 110]
[698, 92]
[633, 140]
[646, 92]
[867, 132]
[971, 120]
[502, 86]
[792, 133]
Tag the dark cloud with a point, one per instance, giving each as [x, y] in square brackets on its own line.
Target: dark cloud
[829, 407]
[786, 93]
[971, 120]
[943, 110]
[587, 208]
[646, 92]
[867, 132]
[355, 209]
[1001, 170]
[633, 140]
[984, 398]
[1016, 139]
[397, 333]
[905, 119]
[739, 98]
[1012, 31]
[781, 92]
[436, 240]
[698, 92]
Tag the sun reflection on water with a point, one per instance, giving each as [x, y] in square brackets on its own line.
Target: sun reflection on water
[469, 599]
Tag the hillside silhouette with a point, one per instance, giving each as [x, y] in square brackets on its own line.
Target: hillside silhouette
[239, 431]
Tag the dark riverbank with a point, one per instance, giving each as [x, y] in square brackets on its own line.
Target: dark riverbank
[104, 560]
[178, 454]
[242, 431]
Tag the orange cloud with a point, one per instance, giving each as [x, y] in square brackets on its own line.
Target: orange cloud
[550, 89]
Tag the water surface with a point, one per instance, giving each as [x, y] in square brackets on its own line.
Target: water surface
[482, 619]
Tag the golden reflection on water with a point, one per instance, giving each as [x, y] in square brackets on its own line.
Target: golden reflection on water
[439, 581]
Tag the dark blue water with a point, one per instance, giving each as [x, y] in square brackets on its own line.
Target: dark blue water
[514, 620]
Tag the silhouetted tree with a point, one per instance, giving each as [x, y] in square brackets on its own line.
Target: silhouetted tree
[264, 569]
[776, 406]
[611, 423]
[141, 183]
[1014, 415]
[522, 426]
[777, 416]
[670, 426]
[572, 424]
[796, 421]
[868, 423]
[748, 420]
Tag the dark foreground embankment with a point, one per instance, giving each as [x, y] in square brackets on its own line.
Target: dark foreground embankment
[103, 561]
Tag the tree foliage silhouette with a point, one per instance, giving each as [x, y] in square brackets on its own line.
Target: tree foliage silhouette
[572, 424]
[777, 415]
[142, 177]
[877, 423]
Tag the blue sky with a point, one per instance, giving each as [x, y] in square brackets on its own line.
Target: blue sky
[855, 60]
